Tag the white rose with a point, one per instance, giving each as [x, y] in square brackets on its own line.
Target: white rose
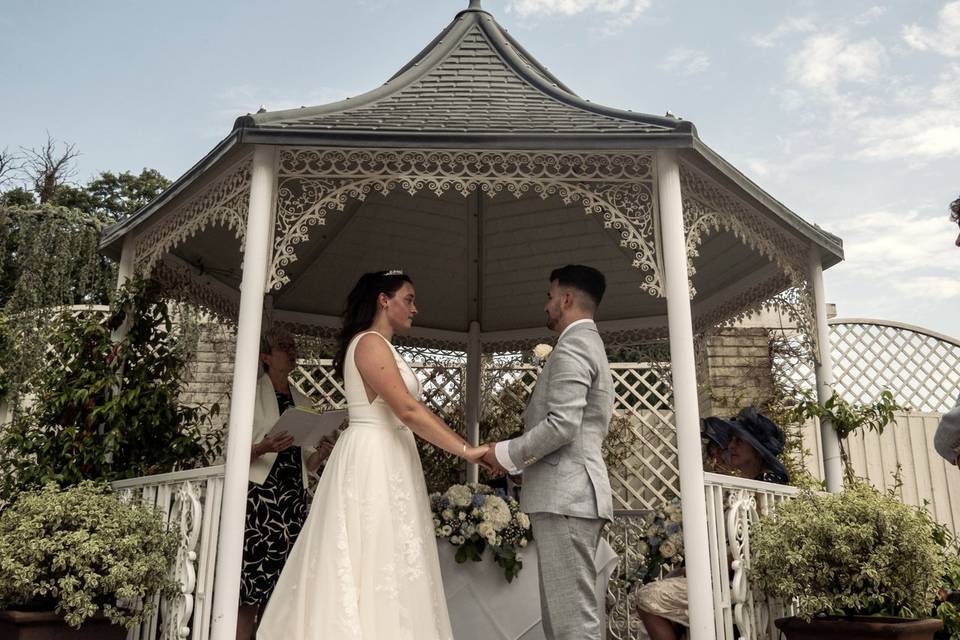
[541, 351]
[496, 511]
[524, 520]
[459, 495]
[486, 530]
[462, 515]
[446, 530]
[447, 514]
[668, 550]
[456, 540]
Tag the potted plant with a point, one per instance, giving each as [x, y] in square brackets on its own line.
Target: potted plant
[857, 564]
[78, 563]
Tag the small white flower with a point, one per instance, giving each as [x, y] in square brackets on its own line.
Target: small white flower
[541, 351]
[447, 514]
[462, 515]
[446, 530]
[524, 520]
[523, 542]
[643, 548]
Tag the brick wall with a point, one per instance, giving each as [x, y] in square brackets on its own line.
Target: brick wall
[737, 371]
[209, 375]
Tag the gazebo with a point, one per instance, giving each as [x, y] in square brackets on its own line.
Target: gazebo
[477, 171]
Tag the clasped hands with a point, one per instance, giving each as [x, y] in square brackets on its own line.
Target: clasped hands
[486, 456]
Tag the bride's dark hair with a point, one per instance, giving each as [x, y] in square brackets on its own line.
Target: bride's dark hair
[361, 307]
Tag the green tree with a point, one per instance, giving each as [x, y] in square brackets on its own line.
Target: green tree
[106, 410]
[118, 195]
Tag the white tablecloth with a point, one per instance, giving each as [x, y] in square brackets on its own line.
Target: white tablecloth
[484, 606]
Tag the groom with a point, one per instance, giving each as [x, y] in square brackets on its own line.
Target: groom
[566, 491]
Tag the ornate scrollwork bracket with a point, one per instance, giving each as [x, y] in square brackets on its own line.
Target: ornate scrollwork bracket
[618, 186]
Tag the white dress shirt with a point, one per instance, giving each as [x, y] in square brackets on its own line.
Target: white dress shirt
[501, 449]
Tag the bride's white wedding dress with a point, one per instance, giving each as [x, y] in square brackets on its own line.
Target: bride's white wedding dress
[365, 565]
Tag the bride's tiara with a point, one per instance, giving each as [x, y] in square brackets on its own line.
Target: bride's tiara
[394, 272]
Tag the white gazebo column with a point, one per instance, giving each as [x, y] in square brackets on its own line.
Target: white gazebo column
[256, 260]
[473, 385]
[686, 407]
[832, 462]
[124, 273]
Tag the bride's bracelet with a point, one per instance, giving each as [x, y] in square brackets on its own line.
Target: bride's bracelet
[463, 453]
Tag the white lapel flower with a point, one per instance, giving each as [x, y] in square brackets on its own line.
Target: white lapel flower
[542, 351]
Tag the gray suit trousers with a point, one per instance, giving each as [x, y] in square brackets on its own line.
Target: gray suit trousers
[566, 550]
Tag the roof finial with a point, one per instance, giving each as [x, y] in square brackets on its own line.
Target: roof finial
[475, 4]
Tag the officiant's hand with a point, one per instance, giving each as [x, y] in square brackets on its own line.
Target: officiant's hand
[273, 443]
[323, 450]
[325, 446]
[491, 462]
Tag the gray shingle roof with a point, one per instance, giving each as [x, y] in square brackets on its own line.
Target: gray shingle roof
[474, 79]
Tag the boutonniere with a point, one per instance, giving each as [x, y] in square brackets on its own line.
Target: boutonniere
[541, 352]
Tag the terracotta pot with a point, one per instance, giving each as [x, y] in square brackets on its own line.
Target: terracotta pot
[856, 627]
[46, 625]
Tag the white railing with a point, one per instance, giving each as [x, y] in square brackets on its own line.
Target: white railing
[628, 528]
[191, 501]
[734, 506]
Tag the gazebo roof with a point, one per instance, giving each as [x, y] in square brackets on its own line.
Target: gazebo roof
[474, 79]
[472, 167]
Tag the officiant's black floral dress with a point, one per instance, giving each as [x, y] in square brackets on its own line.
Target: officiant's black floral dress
[276, 510]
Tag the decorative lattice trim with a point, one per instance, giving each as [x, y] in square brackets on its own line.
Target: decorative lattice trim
[708, 208]
[617, 186]
[223, 202]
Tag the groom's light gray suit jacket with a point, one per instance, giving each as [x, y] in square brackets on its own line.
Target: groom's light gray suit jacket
[565, 423]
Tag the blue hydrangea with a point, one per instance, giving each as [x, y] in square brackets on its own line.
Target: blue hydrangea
[478, 500]
[672, 528]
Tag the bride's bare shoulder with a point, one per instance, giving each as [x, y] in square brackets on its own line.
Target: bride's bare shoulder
[372, 345]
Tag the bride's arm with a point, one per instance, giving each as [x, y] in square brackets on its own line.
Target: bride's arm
[379, 371]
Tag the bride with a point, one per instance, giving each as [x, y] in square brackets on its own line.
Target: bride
[365, 566]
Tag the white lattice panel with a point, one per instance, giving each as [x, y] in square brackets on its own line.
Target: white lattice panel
[921, 368]
[645, 475]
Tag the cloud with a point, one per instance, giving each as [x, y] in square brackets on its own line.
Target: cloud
[937, 288]
[619, 13]
[944, 39]
[687, 61]
[911, 249]
[627, 8]
[826, 60]
[930, 130]
[870, 15]
[788, 26]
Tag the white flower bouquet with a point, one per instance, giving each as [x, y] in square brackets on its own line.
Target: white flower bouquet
[660, 550]
[475, 517]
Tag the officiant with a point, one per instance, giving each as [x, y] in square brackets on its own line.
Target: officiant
[276, 495]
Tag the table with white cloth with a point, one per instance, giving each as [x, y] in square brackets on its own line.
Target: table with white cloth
[484, 606]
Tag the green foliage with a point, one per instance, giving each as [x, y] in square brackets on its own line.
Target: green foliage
[949, 593]
[81, 550]
[847, 418]
[49, 257]
[109, 410]
[118, 195]
[856, 552]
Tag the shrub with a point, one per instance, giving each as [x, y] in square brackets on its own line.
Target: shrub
[857, 552]
[80, 550]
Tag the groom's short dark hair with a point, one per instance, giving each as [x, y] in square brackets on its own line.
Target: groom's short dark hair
[582, 278]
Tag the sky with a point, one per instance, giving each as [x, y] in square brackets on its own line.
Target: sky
[847, 112]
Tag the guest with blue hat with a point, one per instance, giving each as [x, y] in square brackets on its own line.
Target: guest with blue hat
[746, 446]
